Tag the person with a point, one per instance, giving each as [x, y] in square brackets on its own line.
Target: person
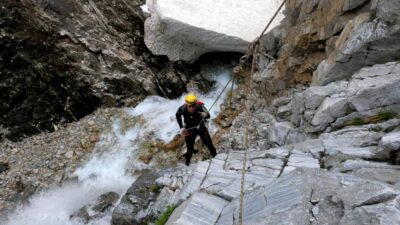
[194, 114]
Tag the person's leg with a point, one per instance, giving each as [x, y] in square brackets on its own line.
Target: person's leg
[189, 145]
[206, 139]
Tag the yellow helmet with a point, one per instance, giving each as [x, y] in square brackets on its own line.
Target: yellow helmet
[190, 99]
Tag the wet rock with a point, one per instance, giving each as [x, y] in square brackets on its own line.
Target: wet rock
[136, 206]
[103, 203]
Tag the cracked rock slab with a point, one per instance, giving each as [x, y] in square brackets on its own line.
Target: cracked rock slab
[306, 195]
[200, 209]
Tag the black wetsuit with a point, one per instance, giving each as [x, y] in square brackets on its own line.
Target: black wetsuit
[192, 120]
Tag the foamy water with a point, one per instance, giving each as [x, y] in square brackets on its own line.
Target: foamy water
[106, 170]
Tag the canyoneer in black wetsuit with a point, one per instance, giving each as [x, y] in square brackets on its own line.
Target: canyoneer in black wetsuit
[194, 115]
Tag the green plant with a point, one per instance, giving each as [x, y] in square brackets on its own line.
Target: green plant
[379, 117]
[142, 190]
[357, 121]
[154, 188]
[386, 115]
[165, 216]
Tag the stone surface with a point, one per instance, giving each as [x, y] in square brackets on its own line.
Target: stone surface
[312, 195]
[184, 30]
[311, 30]
[297, 172]
[352, 4]
[136, 206]
[357, 142]
[365, 96]
[329, 110]
[104, 202]
[383, 172]
[314, 96]
[200, 209]
[73, 57]
[375, 87]
[357, 43]
[391, 141]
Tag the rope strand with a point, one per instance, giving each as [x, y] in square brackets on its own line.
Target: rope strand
[254, 48]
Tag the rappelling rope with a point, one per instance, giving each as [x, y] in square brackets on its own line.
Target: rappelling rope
[253, 50]
[221, 93]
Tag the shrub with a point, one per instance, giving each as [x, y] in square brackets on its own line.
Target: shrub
[165, 216]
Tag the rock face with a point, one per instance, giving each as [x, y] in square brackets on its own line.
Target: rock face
[137, 204]
[61, 60]
[315, 197]
[104, 203]
[325, 154]
[184, 30]
[370, 92]
[325, 41]
[359, 38]
[288, 184]
[321, 154]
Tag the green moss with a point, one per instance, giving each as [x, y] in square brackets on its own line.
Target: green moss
[165, 216]
[142, 191]
[379, 117]
[386, 115]
[357, 121]
[154, 188]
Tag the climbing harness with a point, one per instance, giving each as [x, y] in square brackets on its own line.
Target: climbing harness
[195, 127]
[252, 49]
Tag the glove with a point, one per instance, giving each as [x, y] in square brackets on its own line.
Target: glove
[203, 115]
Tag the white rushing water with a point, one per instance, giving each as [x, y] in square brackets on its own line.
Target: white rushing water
[107, 168]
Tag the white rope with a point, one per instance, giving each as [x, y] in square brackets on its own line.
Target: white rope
[254, 49]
